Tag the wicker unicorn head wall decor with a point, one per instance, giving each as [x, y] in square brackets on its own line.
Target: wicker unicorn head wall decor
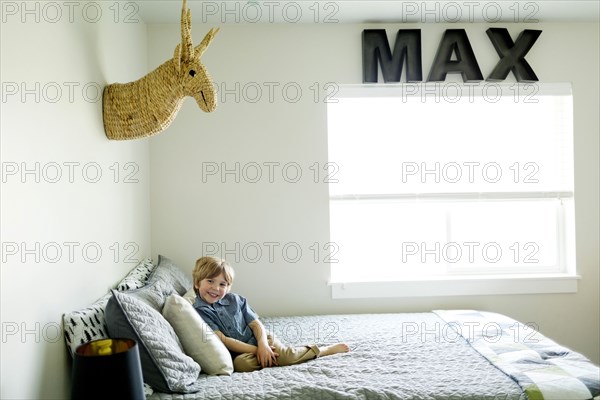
[149, 105]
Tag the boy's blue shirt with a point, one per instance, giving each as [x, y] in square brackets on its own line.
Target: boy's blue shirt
[230, 315]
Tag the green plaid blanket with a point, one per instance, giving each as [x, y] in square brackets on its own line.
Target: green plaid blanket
[544, 369]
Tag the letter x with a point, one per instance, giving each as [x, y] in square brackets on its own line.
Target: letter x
[512, 55]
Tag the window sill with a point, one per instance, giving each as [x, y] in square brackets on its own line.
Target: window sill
[457, 286]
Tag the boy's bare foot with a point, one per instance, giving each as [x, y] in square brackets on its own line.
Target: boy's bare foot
[334, 349]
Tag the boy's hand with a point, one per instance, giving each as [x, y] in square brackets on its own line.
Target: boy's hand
[266, 356]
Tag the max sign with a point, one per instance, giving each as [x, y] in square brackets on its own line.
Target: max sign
[454, 55]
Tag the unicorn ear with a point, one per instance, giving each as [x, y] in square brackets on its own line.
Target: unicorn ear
[177, 56]
[199, 50]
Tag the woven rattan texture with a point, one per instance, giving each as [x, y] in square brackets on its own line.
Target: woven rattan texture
[149, 105]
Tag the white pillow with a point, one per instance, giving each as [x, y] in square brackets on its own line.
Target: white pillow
[190, 296]
[197, 338]
[137, 277]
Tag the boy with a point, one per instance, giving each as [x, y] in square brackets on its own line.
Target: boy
[238, 326]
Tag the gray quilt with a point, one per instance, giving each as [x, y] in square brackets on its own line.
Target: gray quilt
[393, 356]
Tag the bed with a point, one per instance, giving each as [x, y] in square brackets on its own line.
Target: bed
[442, 354]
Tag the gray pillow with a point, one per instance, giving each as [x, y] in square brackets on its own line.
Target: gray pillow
[164, 364]
[165, 279]
[170, 274]
[154, 293]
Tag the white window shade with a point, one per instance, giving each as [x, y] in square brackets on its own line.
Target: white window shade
[451, 180]
[429, 142]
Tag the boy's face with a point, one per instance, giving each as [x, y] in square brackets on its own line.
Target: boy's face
[212, 290]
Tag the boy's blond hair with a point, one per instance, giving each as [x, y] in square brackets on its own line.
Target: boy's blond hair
[210, 267]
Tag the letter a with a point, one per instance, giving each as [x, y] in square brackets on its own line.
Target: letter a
[455, 41]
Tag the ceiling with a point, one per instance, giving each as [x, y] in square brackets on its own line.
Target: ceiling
[365, 11]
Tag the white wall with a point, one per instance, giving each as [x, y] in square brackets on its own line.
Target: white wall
[190, 213]
[186, 213]
[52, 121]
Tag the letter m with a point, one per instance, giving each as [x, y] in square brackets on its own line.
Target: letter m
[375, 47]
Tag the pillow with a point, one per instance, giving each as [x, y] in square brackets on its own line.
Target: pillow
[198, 339]
[190, 296]
[164, 365]
[153, 294]
[137, 277]
[172, 275]
[87, 324]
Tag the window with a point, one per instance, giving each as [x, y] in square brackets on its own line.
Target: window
[448, 188]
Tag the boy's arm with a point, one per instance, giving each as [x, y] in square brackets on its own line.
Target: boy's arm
[264, 353]
[260, 333]
[235, 345]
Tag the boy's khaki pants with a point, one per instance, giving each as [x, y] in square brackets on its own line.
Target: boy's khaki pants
[247, 362]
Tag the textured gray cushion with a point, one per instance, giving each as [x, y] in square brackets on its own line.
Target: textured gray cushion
[164, 364]
[154, 293]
